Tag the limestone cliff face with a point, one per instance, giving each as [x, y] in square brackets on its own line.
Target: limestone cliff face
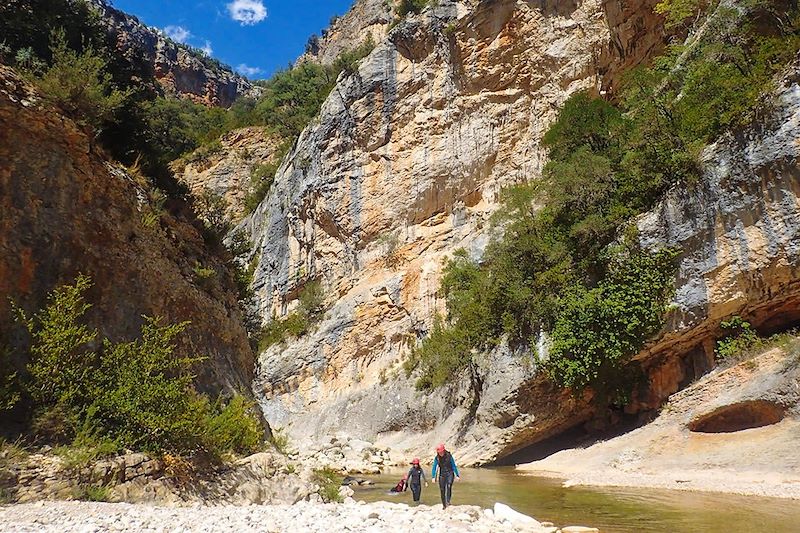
[179, 69]
[365, 18]
[739, 228]
[228, 169]
[65, 209]
[404, 167]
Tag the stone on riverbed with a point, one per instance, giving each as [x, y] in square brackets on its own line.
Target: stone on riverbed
[579, 529]
[504, 512]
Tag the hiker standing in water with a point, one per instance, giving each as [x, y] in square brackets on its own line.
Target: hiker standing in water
[446, 465]
[415, 478]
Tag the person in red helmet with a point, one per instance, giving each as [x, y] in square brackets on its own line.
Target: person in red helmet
[401, 486]
[415, 478]
[447, 469]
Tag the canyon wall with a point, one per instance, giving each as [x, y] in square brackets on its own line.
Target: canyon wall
[179, 69]
[403, 167]
[66, 209]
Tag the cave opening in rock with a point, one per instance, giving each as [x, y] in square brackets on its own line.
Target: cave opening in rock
[738, 416]
[578, 436]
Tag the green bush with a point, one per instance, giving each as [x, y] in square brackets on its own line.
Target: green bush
[677, 12]
[93, 493]
[80, 85]
[411, 6]
[349, 59]
[135, 394]
[599, 330]
[280, 441]
[329, 481]
[203, 274]
[297, 323]
[738, 341]
[230, 426]
[261, 180]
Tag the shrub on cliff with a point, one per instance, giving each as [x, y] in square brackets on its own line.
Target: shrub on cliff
[135, 394]
[553, 268]
[79, 84]
[411, 6]
[599, 330]
[296, 323]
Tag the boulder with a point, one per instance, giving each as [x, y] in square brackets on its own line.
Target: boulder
[504, 512]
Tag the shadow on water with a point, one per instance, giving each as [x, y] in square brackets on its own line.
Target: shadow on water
[609, 509]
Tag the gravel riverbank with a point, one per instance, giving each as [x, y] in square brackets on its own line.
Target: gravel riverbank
[86, 517]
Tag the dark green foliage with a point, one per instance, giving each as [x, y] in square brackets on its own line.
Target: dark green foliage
[293, 97]
[678, 12]
[738, 339]
[348, 60]
[105, 396]
[598, 330]
[173, 127]
[553, 268]
[297, 323]
[261, 181]
[79, 84]
[411, 6]
[27, 24]
[212, 209]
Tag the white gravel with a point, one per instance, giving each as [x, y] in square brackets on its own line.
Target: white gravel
[90, 517]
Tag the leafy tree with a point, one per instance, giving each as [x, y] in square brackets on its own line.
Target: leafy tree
[599, 330]
[135, 394]
[677, 12]
[79, 84]
[411, 6]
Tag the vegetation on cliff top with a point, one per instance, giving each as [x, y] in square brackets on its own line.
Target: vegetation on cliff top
[554, 269]
[102, 397]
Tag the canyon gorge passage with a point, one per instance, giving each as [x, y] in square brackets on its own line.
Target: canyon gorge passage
[560, 236]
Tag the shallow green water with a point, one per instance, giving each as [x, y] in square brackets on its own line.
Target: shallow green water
[610, 509]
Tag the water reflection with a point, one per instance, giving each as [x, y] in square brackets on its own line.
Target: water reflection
[611, 510]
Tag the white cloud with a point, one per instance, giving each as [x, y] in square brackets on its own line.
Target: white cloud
[207, 50]
[248, 71]
[178, 33]
[247, 12]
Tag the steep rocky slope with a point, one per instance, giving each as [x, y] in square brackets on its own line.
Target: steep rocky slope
[228, 170]
[403, 167]
[366, 18]
[65, 209]
[179, 70]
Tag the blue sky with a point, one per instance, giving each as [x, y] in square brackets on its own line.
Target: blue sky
[255, 37]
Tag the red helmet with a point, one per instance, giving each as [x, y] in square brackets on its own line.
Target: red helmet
[415, 461]
[440, 447]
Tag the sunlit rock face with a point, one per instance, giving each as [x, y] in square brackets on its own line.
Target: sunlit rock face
[403, 167]
[180, 70]
[738, 229]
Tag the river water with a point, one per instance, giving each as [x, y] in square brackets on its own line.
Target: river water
[611, 510]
